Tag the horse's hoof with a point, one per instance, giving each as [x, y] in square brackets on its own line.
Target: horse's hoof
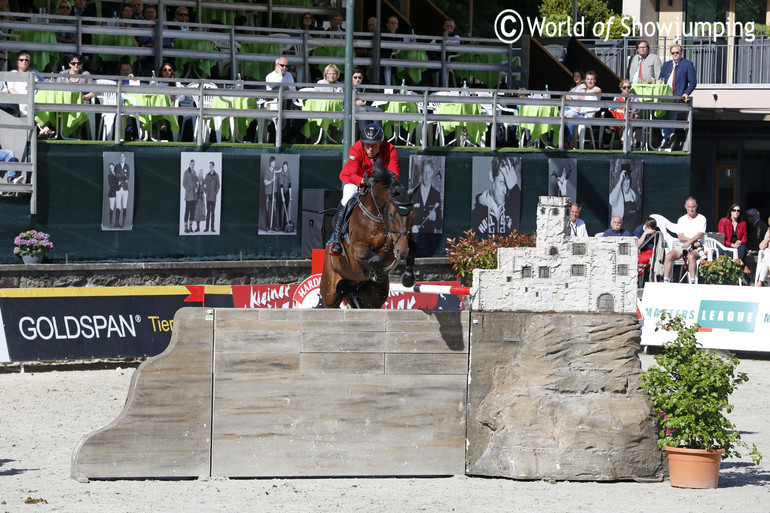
[407, 280]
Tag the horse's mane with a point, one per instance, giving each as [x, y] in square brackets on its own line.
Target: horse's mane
[382, 175]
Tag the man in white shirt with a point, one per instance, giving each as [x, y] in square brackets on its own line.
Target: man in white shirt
[690, 230]
[577, 228]
[280, 75]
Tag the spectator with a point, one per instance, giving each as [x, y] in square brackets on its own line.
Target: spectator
[392, 28]
[279, 75]
[361, 105]
[593, 92]
[579, 79]
[336, 27]
[679, 74]
[167, 74]
[617, 113]
[330, 84]
[137, 7]
[126, 13]
[23, 63]
[10, 108]
[182, 15]
[616, 229]
[756, 229]
[8, 156]
[75, 63]
[645, 242]
[448, 37]
[371, 28]
[64, 9]
[4, 6]
[733, 227]
[763, 259]
[689, 245]
[577, 228]
[127, 70]
[307, 22]
[151, 16]
[643, 67]
[79, 9]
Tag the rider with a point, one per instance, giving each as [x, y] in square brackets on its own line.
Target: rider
[372, 146]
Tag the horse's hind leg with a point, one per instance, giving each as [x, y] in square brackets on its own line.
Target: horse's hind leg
[407, 279]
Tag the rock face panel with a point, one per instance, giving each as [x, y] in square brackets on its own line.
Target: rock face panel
[557, 396]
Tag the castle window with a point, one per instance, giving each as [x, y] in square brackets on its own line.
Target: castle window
[544, 272]
[579, 249]
[526, 272]
[606, 303]
[622, 270]
[623, 249]
[578, 270]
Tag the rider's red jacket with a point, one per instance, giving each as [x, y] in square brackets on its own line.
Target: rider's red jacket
[359, 164]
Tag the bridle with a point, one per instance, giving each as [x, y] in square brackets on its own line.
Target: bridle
[380, 217]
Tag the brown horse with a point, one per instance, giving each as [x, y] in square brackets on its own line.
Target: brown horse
[379, 239]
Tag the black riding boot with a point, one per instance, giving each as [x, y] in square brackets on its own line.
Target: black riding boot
[337, 222]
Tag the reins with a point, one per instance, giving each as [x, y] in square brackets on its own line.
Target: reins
[380, 217]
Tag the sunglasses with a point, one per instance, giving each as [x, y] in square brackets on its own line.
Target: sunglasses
[625, 87]
[282, 65]
[22, 59]
[675, 53]
[736, 210]
[64, 7]
[168, 69]
[75, 63]
[2, 59]
[181, 14]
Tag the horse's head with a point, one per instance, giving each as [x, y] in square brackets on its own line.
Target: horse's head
[398, 217]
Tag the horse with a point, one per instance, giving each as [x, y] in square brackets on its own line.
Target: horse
[379, 239]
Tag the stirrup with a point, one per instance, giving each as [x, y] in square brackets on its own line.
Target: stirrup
[332, 250]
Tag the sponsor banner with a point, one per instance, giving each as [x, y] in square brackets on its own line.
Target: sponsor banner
[305, 295]
[729, 317]
[95, 322]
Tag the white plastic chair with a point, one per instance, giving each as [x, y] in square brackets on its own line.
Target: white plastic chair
[713, 247]
[107, 126]
[763, 261]
[202, 123]
[581, 130]
[670, 232]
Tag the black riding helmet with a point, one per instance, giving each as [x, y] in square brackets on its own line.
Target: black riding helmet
[372, 134]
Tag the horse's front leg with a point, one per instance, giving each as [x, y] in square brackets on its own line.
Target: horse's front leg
[372, 265]
[407, 279]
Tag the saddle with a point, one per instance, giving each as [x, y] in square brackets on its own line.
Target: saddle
[345, 220]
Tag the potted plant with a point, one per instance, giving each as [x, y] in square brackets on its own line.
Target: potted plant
[32, 245]
[690, 390]
[470, 252]
[723, 270]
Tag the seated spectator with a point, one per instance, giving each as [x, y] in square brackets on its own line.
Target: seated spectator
[616, 229]
[10, 108]
[733, 227]
[182, 15]
[361, 105]
[617, 113]
[449, 37]
[126, 13]
[79, 9]
[280, 75]
[689, 243]
[593, 92]
[127, 70]
[756, 228]
[75, 63]
[8, 156]
[763, 259]
[64, 9]
[167, 74]
[151, 15]
[23, 63]
[330, 84]
[577, 228]
[645, 242]
[336, 27]
[138, 9]
[307, 22]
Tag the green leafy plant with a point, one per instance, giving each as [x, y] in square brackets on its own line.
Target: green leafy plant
[690, 390]
[32, 242]
[723, 271]
[470, 252]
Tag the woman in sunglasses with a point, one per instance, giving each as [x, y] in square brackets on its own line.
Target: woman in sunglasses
[78, 75]
[617, 113]
[23, 64]
[733, 227]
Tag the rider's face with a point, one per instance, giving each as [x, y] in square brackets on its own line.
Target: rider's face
[372, 150]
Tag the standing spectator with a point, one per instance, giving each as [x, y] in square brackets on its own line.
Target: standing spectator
[336, 27]
[577, 227]
[151, 16]
[679, 74]
[756, 229]
[644, 66]
[689, 245]
[733, 227]
[63, 9]
[137, 7]
[211, 188]
[392, 28]
[616, 229]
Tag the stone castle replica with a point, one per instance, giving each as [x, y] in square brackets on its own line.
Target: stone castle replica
[562, 273]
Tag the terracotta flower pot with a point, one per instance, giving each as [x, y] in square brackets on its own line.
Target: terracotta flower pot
[693, 468]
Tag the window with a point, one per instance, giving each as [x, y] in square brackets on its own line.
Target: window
[623, 249]
[606, 303]
[622, 270]
[544, 272]
[579, 249]
[526, 272]
[578, 270]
